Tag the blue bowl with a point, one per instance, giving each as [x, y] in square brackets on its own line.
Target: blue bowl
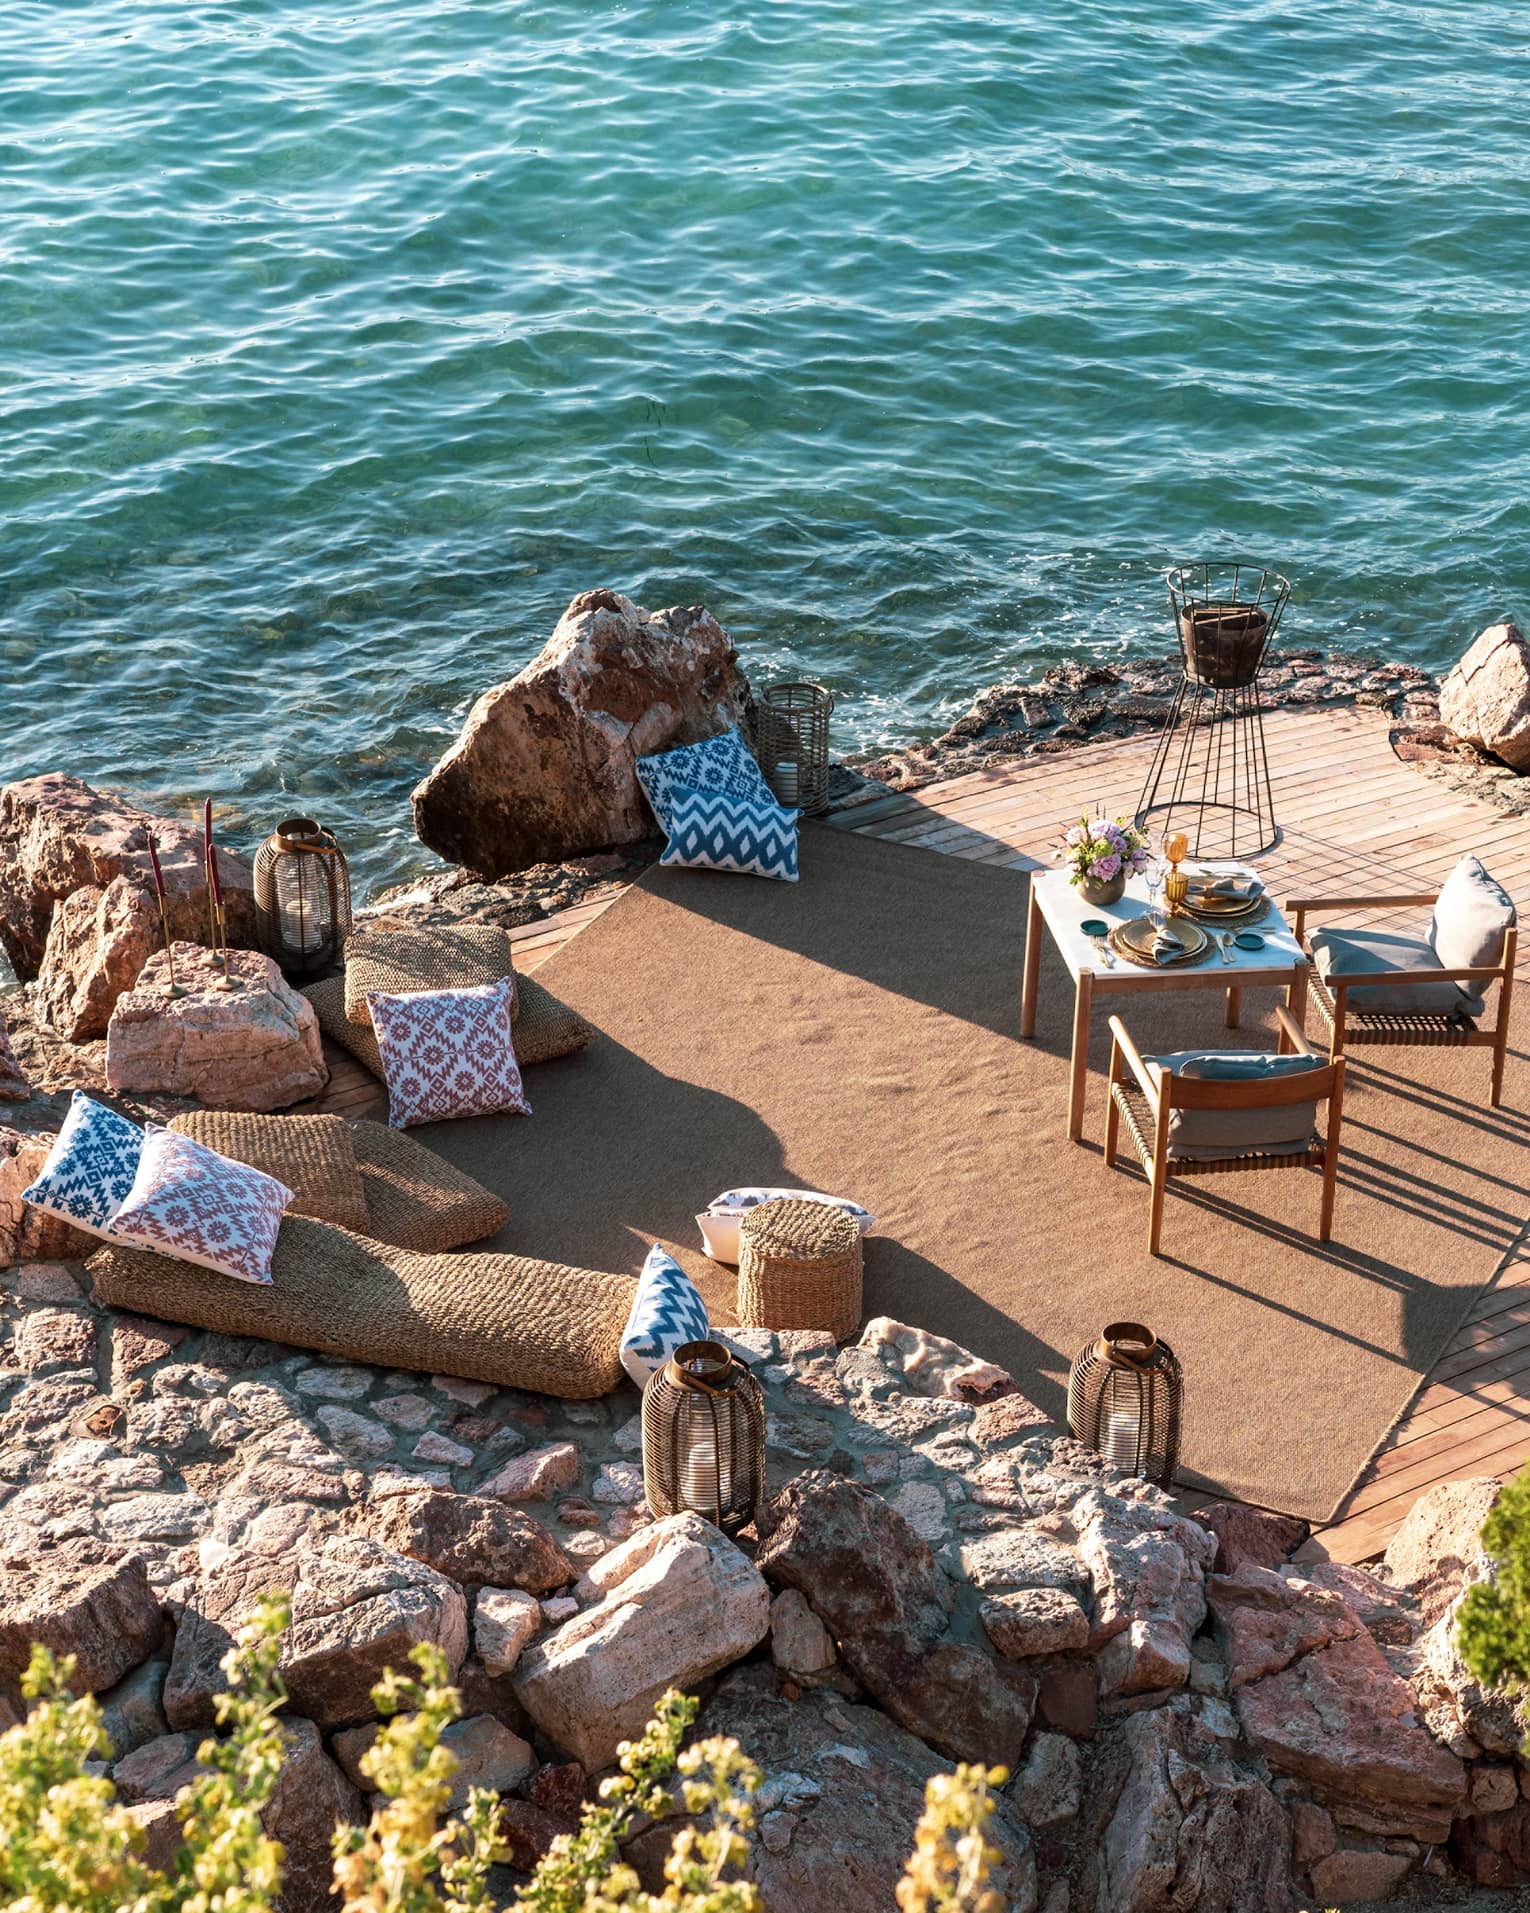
[1095, 927]
[1249, 940]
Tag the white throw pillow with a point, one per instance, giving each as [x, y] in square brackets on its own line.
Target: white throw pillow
[1471, 914]
[719, 1221]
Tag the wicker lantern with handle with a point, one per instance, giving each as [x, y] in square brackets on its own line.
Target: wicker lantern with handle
[302, 897]
[704, 1437]
[792, 723]
[1124, 1399]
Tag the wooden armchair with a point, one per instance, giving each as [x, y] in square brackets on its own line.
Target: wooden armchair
[1145, 1098]
[1348, 1022]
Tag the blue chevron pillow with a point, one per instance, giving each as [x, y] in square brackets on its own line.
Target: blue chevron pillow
[667, 1312]
[722, 764]
[708, 831]
[90, 1167]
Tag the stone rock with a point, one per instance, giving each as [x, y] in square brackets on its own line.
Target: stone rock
[1170, 1820]
[312, 1796]
[1384, 1612]
[1251, 1536]
[537, 1476]
[1458, 1709]
[1033, 1621]
[504, 1622]
[1485, 698]
[489, 1755]
[1438, 1549]
[54, 1338]
[799, 1641]
[255, 1047]
[46, 1282]
[404, 1411]
[1359, 1873]
[433, 1446]
[358, 1608]
[57, 836]
[1341, 1720]
[104, 1613]
[877, 1588]
[14, 1087]
[160, 1826]
[138, 1343]
[1268, 1619]
[158, 1769]
[477, 1541]
[354, 1434]
[98, 944]
[1006, 1419]
[544, 767]
[27, 1234]
[1068, 1700]
[1493, 1789]
[1312, 1834]
[1023, 1557]
[1047, 1787]
[211, 1615]
[1148, 1567]
[923, 1363]
[132, 1712]
[849, 1787]
[1493, 1849]
[689, 1604]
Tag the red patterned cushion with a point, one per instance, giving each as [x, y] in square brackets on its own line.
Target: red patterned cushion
[192, 1203]
[448, 1053]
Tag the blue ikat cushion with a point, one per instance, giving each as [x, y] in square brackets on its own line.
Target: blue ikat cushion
[751, 838]
[90, 1167]
[667, 1312]
[722, 764]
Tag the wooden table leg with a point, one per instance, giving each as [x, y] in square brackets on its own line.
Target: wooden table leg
[1296, 1003]
[1079, 1069]
[1234, 1006]
[1034, 931]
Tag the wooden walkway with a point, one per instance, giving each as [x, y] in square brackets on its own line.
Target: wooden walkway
[1354, 818]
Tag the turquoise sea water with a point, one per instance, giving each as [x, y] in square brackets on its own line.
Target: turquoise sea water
[341, 344]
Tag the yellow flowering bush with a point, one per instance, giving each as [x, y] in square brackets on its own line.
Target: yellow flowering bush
[68, 1846]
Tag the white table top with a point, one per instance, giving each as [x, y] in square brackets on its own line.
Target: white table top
[1064, 908]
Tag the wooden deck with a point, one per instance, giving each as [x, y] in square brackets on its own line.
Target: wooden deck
[1353, 818]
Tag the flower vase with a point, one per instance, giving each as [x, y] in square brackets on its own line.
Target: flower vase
[1111, 891]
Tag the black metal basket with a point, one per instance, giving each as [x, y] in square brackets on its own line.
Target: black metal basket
[1225, 616]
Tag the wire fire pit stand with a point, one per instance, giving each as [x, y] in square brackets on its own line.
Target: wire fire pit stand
[1210, 776]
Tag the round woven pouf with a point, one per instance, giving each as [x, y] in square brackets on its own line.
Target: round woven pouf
[799, 1266]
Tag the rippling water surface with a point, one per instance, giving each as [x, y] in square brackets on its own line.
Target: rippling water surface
[341, 344]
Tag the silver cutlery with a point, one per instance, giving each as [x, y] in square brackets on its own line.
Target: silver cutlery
[1103, 950]
[1225, 945]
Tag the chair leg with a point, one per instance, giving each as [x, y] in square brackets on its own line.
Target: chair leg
[1331, 1156]
[1158, 1175]
[1112, 1128]
[1501, 1039]
[1155, 1213]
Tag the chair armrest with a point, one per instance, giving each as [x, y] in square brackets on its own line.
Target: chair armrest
[1348, 979]
[1297, 1035]
[1133, 1056]
[1309, 904]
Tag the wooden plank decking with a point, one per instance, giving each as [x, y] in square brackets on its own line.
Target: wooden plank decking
[1353, 818]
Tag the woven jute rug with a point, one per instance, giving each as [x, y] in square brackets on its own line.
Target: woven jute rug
[858, 1032]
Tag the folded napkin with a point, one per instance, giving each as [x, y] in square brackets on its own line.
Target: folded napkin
[1222, 880]
[1166, 946]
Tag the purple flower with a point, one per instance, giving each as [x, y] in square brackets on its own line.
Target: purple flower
[1104, 868]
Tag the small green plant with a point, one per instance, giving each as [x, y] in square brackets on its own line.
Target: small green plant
[68, 1846]
[1493, 1629]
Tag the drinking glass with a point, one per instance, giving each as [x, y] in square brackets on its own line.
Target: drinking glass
[1152, 877]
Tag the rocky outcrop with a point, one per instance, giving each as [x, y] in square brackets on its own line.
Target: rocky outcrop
[475, 1540]
[1438, 1549]
[357, 1609]
[1172, 1819]
[14, 1087]
[680, 1602]
[544, 768]
[312, 1797]
[1149, 1568]
[64, 844]
[27, 1234]
[843, 1788]
[104, 1613]
[505, 1620]
[1251, 1536]
[1485, 698]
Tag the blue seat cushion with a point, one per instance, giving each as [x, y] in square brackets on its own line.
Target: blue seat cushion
[1213, 1135]
[1341, 953]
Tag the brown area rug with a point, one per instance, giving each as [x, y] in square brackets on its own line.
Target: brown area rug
[857, 1032]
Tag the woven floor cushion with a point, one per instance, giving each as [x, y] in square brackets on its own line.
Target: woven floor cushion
[489, 1318]
[544, 1027]
[417, 1200]
[396, 957]
[313, 1155]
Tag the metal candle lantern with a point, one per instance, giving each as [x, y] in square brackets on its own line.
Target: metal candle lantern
[1124, 1398]
[792, 722]
[704, 1437]
[302, 897]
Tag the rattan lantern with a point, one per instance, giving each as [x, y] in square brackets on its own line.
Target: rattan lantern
[302, 897]
[704, 1437]
[792, 724]
[1124, 1398]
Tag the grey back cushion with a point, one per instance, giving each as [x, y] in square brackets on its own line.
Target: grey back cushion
[1470, 916]
[1340, 953]
[1214, 1135]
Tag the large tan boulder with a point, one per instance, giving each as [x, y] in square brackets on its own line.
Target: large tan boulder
[77, 904]
[691, 1604]
[544, 768]
[1438, 1549]
[256, 1046]
[1485, 699]
[103, 1613]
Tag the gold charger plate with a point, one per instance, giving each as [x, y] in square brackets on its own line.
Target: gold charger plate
[1228, 909]
[1134, 941]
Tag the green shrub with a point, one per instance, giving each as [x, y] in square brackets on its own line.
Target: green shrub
[1493, 1629]
[68, 1846]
